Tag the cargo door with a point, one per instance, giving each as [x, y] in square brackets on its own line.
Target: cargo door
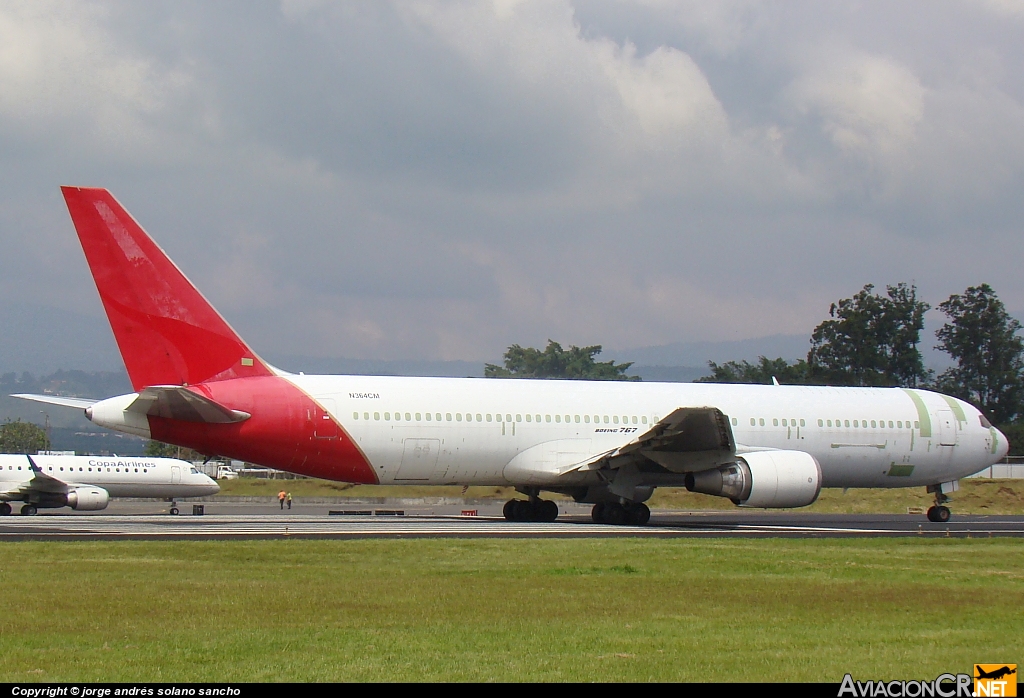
[175, 474]
[418, 460]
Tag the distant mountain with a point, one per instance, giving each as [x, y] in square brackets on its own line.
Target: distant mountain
[697, 354]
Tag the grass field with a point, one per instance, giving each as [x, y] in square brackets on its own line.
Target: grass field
[452, 610]
[975, 496]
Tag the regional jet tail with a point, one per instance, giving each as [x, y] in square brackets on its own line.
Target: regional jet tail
[198, 384]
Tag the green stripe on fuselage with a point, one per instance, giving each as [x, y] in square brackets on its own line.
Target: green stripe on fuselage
[922, 412]
[995, 438]
[954, 405]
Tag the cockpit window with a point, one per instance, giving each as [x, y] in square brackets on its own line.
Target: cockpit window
[984, 421]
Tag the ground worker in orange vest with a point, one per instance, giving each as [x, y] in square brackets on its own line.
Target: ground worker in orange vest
[280, 497]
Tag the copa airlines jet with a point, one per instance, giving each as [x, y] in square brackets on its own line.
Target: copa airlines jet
[198, 384]
[86, 483]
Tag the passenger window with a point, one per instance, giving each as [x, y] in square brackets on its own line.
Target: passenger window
[917, 424]
[753, 422]
[644, 420]
[448, 416]
[577, 419]
[734, 421]
[847, 423]
[899, 425]
[890, 424]
[615, 419]
[821, 423]
[586, 418]
[366, 415]
[547, 418]
[606, 419]
[355, 415]
[489, 417]
[437, 416]
[873, 426]
[784, 423]
[761, 421]
[802, 423]
[498, 417]
[567, 419]
[428, 416]
[479, 418]
[558, 418]
[458, 416]
[775, 422]
[417, 416]
[529, 418]
[408, 417]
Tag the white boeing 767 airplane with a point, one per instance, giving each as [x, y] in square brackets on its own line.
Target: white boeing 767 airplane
[198, 384]
[86, 483]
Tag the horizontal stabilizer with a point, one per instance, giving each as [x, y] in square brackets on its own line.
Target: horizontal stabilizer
[180, 403]
[80, 403]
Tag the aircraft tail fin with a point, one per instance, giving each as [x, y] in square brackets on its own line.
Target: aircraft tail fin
[167, 332]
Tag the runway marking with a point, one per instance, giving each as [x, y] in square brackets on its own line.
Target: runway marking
[232, 526]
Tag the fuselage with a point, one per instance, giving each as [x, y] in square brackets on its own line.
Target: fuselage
[120, 476]
[405, 430]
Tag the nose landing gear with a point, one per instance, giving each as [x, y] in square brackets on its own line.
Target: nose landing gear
[940, 512]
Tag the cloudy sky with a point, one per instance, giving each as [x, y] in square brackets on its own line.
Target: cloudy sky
[438, 180]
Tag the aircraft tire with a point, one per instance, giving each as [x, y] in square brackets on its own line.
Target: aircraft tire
[29, 510]
[614, 514]
[597, 513]
[548, 511]
[939, 514]
[174, 511]
[5, 509]
[508, 511]
[639, 515]
[522, 511]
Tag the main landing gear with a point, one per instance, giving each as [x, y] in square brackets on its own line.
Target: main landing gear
[5, 509]
[29, 510]
[534, 509]
[174, 508]
[618, 514]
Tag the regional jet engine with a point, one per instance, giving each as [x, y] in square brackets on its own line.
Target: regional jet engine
[88, 498]
[769, 479]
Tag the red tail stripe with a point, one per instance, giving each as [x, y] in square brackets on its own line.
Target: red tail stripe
[167, 332]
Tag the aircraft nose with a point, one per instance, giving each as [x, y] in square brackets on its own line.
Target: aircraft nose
[1003, 447]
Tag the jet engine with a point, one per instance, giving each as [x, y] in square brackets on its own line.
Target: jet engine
[769, 479]
[88, 498]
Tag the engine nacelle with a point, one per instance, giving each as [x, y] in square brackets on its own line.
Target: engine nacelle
[768, 479]
[88, 498]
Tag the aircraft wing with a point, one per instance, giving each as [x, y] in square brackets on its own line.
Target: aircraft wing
[39, 482]
[688, 439]
[80, 403]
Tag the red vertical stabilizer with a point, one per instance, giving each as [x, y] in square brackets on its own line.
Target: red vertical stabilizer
[167, 332]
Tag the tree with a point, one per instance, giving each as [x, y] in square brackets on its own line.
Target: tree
[555, 362]
[762, 372]
[159, 449]
[23, 437]
[872, 340]
[982, 338]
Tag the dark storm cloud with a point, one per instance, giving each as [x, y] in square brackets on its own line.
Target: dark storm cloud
[438, 179]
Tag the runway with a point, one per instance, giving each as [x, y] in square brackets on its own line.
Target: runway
[227, 521]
